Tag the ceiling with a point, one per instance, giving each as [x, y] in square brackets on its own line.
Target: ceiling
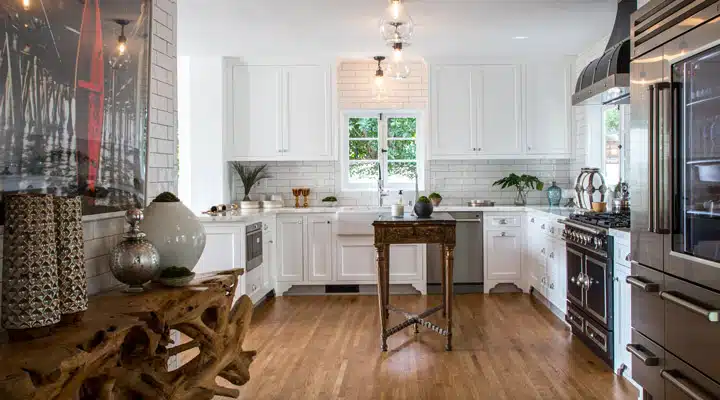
[350, 27]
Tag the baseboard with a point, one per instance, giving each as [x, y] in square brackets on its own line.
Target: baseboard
[550, 306]
[458, 288]
[369, 290]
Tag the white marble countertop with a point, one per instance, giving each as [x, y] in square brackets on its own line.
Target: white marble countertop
[255, 214]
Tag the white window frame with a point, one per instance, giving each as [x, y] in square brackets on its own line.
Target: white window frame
[346, 185]
[622, 129]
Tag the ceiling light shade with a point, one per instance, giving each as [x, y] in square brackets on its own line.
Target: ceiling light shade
[379, 74]
[122, 39]
[396, 25]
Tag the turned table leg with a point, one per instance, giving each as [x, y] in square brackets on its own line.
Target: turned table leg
[443, 282]
[449, 256]
[386, 250]
[382, 293]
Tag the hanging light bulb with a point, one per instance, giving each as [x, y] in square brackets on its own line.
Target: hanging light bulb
[398, 69]
[396, 26]
[379, 90]
[122, 39]
[26, 5]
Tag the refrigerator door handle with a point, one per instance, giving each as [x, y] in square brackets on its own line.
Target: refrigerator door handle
[651, 159]
[663, 171]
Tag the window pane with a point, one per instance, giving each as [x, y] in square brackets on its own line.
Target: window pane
[402, 171]
[364, 171]
[611, 127]
[401, 127]
[363, 149]
[401, 150]
[363, 127]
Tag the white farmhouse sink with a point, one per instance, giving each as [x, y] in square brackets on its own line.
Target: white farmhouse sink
[357, 220]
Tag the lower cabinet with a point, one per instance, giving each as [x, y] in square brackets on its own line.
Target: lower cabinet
[622, 321]
[356, 255]
[503, 257]
[290, 249]
[320, 248]
[223, 248]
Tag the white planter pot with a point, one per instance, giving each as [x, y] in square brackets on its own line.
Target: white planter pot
[176, 232]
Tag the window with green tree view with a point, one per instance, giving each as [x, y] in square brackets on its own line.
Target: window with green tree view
[381, 145]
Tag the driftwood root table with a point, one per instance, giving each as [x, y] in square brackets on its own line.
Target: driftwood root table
[438, 229]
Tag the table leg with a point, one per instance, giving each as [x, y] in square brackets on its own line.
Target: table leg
[448, 298]
[386, 250]
[382, 296]
[443, 283]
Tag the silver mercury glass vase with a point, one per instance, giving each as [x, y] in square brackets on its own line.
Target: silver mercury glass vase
[135, 261]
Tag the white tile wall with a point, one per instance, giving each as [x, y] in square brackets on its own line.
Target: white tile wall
[101, 235]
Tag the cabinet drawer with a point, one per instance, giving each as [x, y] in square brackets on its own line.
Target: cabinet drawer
[575, 319]
[691, 324]
[503, 221]
[685, 382]
[622, 254]
[599, 336]
[648, 359]
[253, 282]
[648, 309]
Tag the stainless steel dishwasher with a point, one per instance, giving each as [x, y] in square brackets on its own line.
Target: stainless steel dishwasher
[468, 269]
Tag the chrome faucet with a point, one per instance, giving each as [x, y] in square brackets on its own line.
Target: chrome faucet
[382, 192]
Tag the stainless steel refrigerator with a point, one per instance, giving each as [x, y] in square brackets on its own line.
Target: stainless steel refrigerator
[675, 194]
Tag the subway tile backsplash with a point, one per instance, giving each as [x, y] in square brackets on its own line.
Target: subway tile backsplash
[457, 181]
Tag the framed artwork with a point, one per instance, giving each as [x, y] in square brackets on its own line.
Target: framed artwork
[74, 100]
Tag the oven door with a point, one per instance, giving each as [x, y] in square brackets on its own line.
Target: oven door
[689, 115]
[597, 291]
[575, 276]
[253, 250]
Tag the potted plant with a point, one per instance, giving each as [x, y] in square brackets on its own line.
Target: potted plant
[423, 207]
[330, 201]
[435, 199]
[250, 176]
[522, 183]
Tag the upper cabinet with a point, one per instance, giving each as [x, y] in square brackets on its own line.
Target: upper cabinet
[279, 112]
[500, 111]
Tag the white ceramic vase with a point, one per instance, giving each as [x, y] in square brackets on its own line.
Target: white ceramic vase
[176, 232]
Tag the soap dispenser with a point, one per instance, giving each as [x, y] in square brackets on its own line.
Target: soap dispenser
[398, 209]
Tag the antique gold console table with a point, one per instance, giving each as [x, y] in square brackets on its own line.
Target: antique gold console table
[438, 229]
[123, 346]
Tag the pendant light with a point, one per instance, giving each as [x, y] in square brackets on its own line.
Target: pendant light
[26, 5]
[398, 69]
[396, 26]
[122, 39]
[379, 90]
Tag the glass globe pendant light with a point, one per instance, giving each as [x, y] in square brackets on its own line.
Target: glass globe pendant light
[379, 90]
[398, 69]
[396, 25]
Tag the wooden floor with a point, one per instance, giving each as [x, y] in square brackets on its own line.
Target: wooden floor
[506, 346]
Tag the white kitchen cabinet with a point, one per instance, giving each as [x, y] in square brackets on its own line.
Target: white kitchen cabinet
[477, 111]
[622, 320]
[499, 117]
[279, 112]
[224, 248]
[557, 274]
[307, 113]
[320, 241]
[257, 122]
[549, 89]
[290, 249]
[454, 110]
[503, 257]
[269, 264]
[356, 261]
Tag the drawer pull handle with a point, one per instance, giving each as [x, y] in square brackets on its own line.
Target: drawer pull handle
[684, 385]
[711, 315]
[627, 257]
[503, 222]
[647, 287]
[647, 358]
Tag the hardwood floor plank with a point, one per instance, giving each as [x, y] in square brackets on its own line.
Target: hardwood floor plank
[506, 346]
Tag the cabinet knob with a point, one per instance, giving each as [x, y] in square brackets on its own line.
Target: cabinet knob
[329, 222]
[627, 257]
[479, 148]
[503, 234]
[552, 255]
[271, 241]
[529, 147]
[254, 288]
[474, 149]
[542, 226]
[532, 220]
[552, 285]
[503, 222]
[542, 251]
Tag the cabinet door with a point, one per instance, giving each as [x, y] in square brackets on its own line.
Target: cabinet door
[499, 111]
[257, 119]
[548, 108]
[223, 249]
[535, 260]
[268, 260]
[623, 324]
[454, 106]
[308, 113]
[504, 254]
[290, 250]
[320, 244]
[406, 262]
[356, 259]
[559, 258]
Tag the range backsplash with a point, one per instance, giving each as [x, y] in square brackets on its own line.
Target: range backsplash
[457, 181]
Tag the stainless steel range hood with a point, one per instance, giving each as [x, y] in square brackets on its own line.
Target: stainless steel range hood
[606, 80]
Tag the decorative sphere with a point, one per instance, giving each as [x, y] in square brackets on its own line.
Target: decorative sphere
[134, 262]
[176, 232]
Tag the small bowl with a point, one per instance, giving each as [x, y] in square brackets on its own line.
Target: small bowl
[599, 207]
[179, 281]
